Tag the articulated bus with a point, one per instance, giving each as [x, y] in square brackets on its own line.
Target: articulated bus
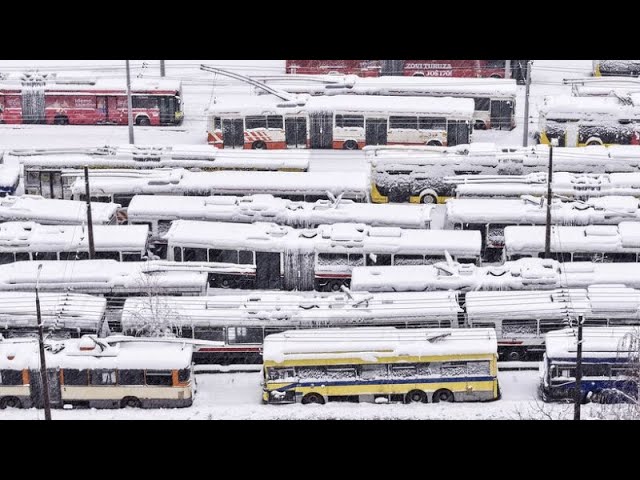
[380, 364]
[38, 100]
[609, 365]
[346, 122]
[49, 171]
[96, 373]
[34, 208]
[495, 100]
[269, 256]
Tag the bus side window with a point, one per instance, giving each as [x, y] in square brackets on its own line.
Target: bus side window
[75, 256]
[195, 254]
[108, 255]
[177, 254]
[11, 377]
[159, 377]
[130, 377]
[378, 259]
[103, 377]
[131, 257]
[7, 257]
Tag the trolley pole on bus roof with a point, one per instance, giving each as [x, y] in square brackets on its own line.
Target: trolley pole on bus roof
[578, 392]
[547, 232]
[129, 105]
[525, 134]
[162, 71]
[87, 192]
[43, 363]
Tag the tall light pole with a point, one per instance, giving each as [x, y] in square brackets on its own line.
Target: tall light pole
[578, 393]
[129, 105]
[92, 248]
[43, 362]
[162, 70]
[525, 134]
[547, 233]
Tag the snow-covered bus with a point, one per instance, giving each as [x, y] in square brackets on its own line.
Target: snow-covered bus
[241, 322]
[159, 211]
[33, 208]
[591, 243]
[491, 216]
[97, 373]
[32, 241]
[604, 68]
[275, 256]
[495, 99]
[338, 122]
[583, 121]
[9, 179]
[609, 365]
[380, 364]
[48, 171]
[304, 186]
[64, 314]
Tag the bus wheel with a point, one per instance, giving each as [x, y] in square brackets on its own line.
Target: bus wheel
[334, 286]
[480, 125]
[350, 145]
[259, 145]
[143, 121]
[11, 402]
[60, 120]
[313, 398]
[514, 355]
[443, 395]
[130, 402]
[434, 143]
[592, 143]
[226, 283]
[429, 199]
[415, 396]
[495, 75]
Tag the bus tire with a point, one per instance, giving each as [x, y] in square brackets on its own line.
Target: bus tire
[226, 283]
[334, 286]
[61, 120]
[130, 402]
[415, 396]
[310, 398]
[350, 145]
[434, 143]
[259, 145]
[514, 355]
[428, 199]
[480, 125]
[12, 402]
[495, 75]
[443, 395]
[594, 142]
[143, 121]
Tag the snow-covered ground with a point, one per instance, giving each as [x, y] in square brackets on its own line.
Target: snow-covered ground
[236, 396]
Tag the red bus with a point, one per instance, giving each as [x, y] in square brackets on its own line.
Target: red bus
[90, 102]
[426, 68]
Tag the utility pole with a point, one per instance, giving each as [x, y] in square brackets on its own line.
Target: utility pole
[547, 233]
[525, 135]
[87, 191]
[507, 69]
[578, 394]
[129, 105]
[43, 362]
[162, 71]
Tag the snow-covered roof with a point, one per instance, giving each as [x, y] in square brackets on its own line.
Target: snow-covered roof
[154, 156]
[597, 342]
[9, 177]
[336, 238]
[290, 310]
[32, 237]
[355, 185]
[267, 208]
[59, 310]
[84, 353]
[597, 211]
[372, 344]
[102, 276]
[54, 212]
[523, 240]
[567, 107]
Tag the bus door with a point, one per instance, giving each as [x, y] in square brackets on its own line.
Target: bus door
[458, 132]
[51, 184]
[167, 110]
[501, 114]
[1, 108]
[321, 130]
[268, 275]
[117, 109]
[376, 131]
[102, 105]
[233, 132]
[37, 389]
[295, 132]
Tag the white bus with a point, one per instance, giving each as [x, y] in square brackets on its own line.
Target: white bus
[63, 314]
[338, 122]
[158, 211]
[322, 258]
[583, 121]
[490, 216]
[495, 99]
[96, 373]
[306, 186]
[9, 178]
[591, 243]
[30, 208]
[44, 168]
[242, 322]
[32, 241]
